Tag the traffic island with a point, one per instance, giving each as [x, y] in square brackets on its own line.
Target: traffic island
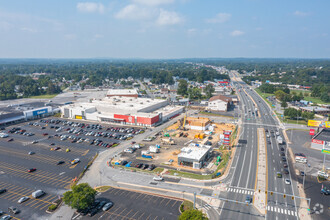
[260, 197]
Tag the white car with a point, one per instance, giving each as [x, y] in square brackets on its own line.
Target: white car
[323, 174]
[77, 160]
[287, 182]
[158, 178]
[23, 199]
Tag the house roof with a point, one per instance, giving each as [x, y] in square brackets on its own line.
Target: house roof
[221, 97]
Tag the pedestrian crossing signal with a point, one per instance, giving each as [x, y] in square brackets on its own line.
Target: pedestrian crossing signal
[266, 192]
[292, 197]
[271, 193]
[259, 190]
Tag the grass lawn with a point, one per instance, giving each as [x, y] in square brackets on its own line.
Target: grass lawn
[189, 175]
[264, 96]
[43, 96]
[315, 100]
[186, 205]
[102, 188]
[291, 121]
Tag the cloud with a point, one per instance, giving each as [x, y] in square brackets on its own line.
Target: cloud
[168, 18]
[300, 13]
[236, 33]
[153, 2]
[27, 29]
[90, 7]
[219, 18]
[191, 31]
[134, 12]
[70, 36]
[97, 36]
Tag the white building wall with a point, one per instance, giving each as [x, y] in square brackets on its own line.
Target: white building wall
[217, 105]
[200, 128]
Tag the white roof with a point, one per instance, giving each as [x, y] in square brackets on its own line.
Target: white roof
[194, 153]
[119, 92]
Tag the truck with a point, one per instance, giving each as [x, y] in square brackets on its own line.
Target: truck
[168, 141]
[153, 149]
[279, 140]
[37, 194]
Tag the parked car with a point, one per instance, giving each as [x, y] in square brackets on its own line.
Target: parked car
[2, 191]
[325, 191]
[13, 210]
[77, 160]
[158, 178]
[23, 199]
[31, 153]
[107, 206]
[60, 162]
[287, 182]
[32, 170]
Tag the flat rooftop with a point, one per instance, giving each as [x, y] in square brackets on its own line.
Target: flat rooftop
[120, 104]
[193, 152]
[122, 92]
[324, 135]
[313, 108]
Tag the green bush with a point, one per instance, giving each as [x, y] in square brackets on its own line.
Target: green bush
[52, 207]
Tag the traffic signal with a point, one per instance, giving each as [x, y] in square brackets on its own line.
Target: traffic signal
[259, 190]
[266, 192]
[271, 193]
[284, 196]
[292, 197]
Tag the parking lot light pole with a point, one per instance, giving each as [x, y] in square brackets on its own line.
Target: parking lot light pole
[304, 176]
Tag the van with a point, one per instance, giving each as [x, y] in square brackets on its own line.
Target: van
[38, 193]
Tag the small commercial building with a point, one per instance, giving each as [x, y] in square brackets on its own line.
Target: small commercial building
[194, 155]
[123, 93]
[219, 103]
[317, 110]
[321, 140]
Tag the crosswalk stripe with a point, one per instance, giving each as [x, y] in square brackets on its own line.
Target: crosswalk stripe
[285, 211]
[282, 211]
[272, 208]
[295, 213]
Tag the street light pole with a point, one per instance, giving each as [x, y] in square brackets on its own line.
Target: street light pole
[304, 176]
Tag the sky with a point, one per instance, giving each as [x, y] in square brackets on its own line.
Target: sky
[161, 29]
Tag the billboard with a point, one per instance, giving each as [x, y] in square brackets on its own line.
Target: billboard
[321, 124]
[40, 112]
[317, 141]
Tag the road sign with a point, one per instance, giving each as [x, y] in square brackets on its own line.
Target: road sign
[311, 131]
[326, 151]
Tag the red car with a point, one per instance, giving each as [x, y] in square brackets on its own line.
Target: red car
[45, 134]
[32, 170]
[11, 139]
[57, 148]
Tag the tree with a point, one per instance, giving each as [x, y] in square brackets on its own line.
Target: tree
[325, 97]
[80, 197]
[292, 113]
[192, 214]
[284, 104]
[209, 90]
[194, 93]
[279, 94]
[308, 115]
[183, 87]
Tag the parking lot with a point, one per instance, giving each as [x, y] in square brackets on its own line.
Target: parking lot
[135, 205]
[40, 145]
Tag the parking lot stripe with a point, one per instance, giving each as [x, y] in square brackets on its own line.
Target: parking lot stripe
[156, 218]
[86, 152]
[38, 176]
[141, 216]
[134, 214]
[128, 213]
[44, 199]
[39, 157]
[174, 203]
[164, 199]
[168, 202]
[148, 217]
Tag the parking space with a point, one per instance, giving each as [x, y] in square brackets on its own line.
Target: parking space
[135, 205]
[34, 157]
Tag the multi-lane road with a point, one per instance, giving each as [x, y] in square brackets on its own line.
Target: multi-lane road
[243, 178]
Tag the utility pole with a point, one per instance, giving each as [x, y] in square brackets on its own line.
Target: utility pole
[194, 200]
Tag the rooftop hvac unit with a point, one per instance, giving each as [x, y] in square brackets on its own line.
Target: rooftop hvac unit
[141, 103]
[123, 101]
[131, 99]
[148, 101]
[131, 105]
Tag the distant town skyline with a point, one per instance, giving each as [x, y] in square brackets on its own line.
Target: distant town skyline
[161, 29]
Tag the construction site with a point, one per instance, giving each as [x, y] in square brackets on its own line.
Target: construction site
[192, 144]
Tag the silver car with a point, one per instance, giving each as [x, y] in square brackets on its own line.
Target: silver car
[23, 199]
